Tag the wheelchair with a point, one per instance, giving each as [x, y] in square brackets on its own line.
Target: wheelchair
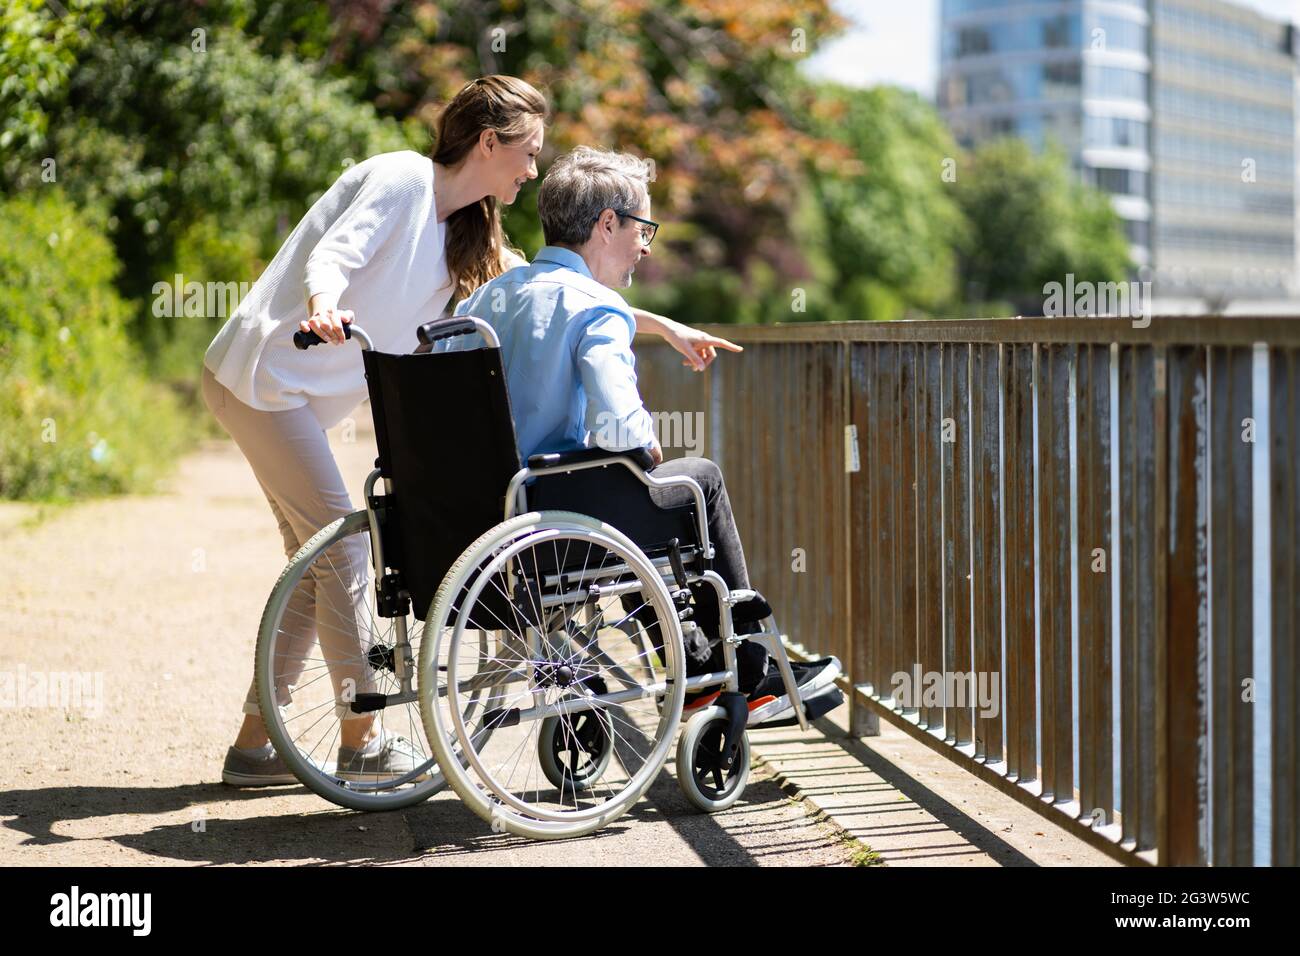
[529, 650]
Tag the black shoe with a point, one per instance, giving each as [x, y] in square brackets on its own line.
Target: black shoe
[769, 702]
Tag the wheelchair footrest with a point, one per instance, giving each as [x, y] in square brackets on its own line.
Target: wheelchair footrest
[819, 706]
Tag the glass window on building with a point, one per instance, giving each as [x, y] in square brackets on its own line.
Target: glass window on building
[1115, 33]
[1060, 81]
[979, 129]
[1063, 129]
[1057, 33]
[1115, 132]
[1113, 82]
[972, 41]
[1225, 112]
[1138, 232]
[989, 86]
[1121, 182]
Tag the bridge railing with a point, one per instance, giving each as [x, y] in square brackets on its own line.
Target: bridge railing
[1064, 552]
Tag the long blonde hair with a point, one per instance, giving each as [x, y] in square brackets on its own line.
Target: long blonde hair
[475, 241]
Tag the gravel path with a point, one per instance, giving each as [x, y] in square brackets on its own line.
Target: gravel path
[127, 628]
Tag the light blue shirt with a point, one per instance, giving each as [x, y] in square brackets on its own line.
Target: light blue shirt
[566, 343]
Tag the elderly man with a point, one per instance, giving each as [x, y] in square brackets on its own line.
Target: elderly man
[566, 342]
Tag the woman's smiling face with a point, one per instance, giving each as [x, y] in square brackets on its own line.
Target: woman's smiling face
[515, 164]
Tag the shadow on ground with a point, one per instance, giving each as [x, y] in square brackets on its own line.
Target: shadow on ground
[442, 826]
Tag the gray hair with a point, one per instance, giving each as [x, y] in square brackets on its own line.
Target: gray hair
[584, 182]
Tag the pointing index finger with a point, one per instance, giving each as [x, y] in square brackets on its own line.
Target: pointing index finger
[724, 343]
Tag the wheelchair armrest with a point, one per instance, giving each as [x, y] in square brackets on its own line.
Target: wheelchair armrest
[580, 456]
[638, 463]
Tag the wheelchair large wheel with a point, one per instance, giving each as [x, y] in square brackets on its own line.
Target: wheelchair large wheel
[321, 646]
[551, 584]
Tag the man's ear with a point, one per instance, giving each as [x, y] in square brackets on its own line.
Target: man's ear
[606, 224]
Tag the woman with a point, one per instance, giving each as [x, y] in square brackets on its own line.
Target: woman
[393, 240]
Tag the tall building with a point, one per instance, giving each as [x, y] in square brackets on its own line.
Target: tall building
[1225, 139]
[1183, 110]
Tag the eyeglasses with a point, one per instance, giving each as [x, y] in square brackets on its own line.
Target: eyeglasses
[646, 239]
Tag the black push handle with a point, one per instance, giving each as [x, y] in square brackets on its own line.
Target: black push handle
[305, 340]
[440, 329]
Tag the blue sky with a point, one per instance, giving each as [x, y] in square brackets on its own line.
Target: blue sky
[897, 41]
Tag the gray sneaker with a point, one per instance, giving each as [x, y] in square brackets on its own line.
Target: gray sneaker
[244, 769]
[394, 757]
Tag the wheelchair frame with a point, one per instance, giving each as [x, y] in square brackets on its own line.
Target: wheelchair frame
[671, 569]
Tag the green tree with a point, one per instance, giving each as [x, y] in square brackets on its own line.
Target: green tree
[892, 226]
[196, 151]
[166, 135]
[77, 413]
[38, 52]
[1033, 222]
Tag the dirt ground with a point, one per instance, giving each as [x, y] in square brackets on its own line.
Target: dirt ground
[127, 629]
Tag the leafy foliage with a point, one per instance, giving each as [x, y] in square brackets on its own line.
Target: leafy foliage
[77, 413]
[1032, 222]
[893, 227]
[38, 52]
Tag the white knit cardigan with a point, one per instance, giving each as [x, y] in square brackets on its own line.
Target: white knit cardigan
[374, 241]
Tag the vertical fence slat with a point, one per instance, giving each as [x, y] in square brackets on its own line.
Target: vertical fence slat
[1087, 598]
[1022, 686]
[930, 524]
[1096, 575]
[986, 546]
[1221, 547]
[1049, 611]
[1054, 567]
[1127, 569]
[1142, 440]
[906, 549]
[889, 413]
[1284, 458]
[817, 395]
[1231, 652]
[1186, 634]
[957, 655]
[921, 447]
[1243, 601]
[861, 496]
[876, 503]
[841, 513]
[980, 550]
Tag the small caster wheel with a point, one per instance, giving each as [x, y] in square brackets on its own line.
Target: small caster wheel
[699, 767]
[575, 749]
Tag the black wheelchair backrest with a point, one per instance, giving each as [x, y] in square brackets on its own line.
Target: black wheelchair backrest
[446, 439]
